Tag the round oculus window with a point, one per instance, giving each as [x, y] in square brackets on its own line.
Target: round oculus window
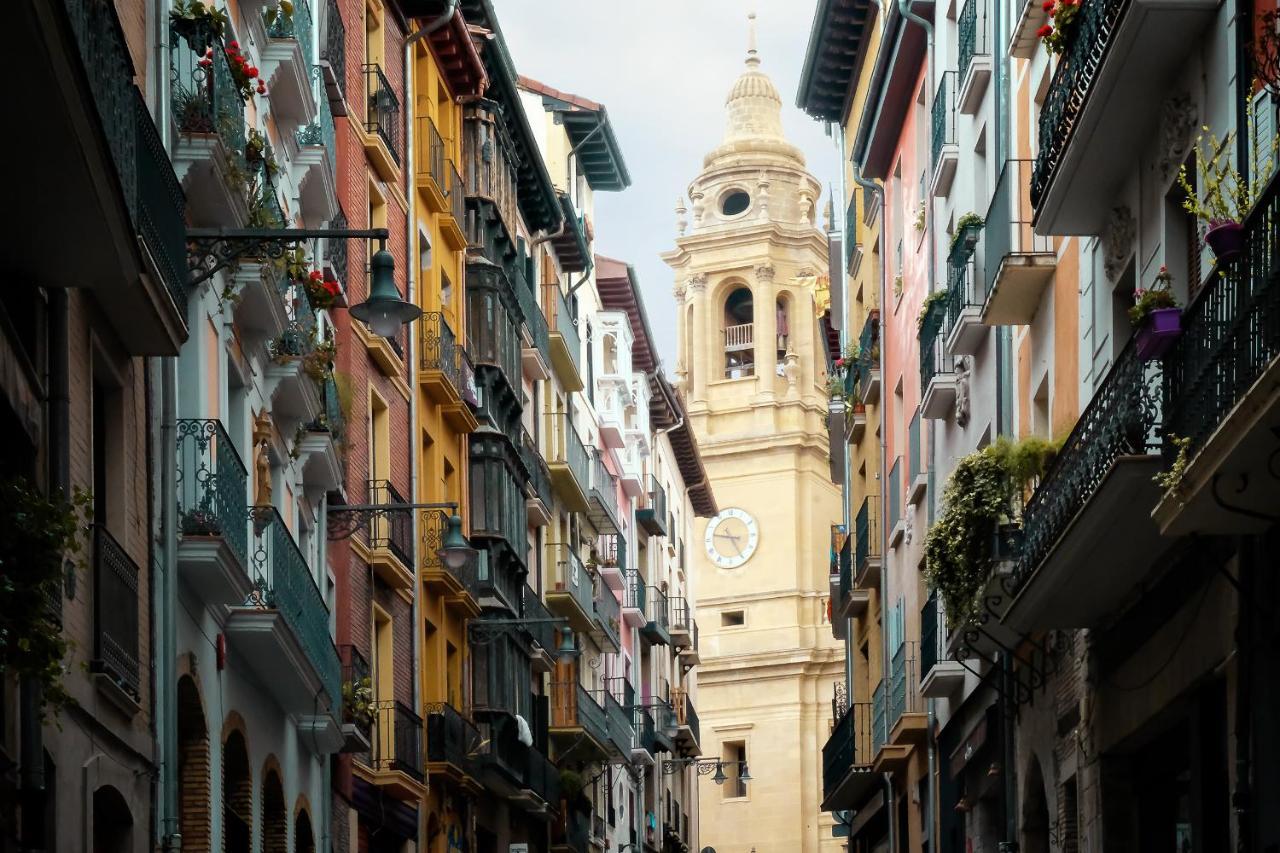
[734, 202]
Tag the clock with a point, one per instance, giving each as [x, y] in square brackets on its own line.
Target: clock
[732, 537]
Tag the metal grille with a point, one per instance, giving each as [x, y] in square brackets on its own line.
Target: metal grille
[115, 600]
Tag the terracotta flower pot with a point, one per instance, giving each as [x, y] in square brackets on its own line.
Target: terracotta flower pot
[1158, 332]
[1226, 239]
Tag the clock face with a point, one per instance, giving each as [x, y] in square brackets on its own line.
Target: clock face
[732, 537]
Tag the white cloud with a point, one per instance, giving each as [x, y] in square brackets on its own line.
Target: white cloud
[663, 69]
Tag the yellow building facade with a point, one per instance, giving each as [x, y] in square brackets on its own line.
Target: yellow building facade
[748, 265]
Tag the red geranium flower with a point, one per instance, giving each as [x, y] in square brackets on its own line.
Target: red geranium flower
[1044, 31]
[1047, 5]
[316, 275]
[839, 362]
[331, 288]
[233, 45]
[253, 71]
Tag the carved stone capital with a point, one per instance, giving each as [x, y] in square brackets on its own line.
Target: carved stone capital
[765, 273]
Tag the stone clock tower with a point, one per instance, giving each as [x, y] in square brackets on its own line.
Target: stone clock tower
[747, 262]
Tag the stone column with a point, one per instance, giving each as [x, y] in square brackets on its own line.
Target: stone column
[766, 329]
[704, 344]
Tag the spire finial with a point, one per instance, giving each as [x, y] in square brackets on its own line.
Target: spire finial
[753, 55]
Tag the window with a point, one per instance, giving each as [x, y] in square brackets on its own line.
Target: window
[734, 202]
[733, 619]
[739, 341]
[735, 765]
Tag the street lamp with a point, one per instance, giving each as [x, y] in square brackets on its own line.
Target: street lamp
[384, 311]
[455, 551]
[706, 767]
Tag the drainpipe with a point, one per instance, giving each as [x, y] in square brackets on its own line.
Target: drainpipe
[585, 275]
[450, 8]
[165, 596]
[411, 265]
[846, 472]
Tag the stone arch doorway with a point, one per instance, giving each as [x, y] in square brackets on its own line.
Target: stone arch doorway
[237, 795]
[1035, 812]
[194, 801]
[275, 820]
[303, 838]
[112, 821]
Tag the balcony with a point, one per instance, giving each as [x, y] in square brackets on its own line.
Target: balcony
[939, 676]
[965, 332]
[543, 635]
[1218, 389]
[634, 610]
[690, 653]
[946, 150]
[1099, 101]
[578, 723]
[610, 558]
[572, 833]
[115, 668]
[851, 601]
[664, 722]
[866, 557]
[208, 114]
[458, 588]
[897, 525]
[681, 620]
[974, 63]
[869, 359]
[566, 346]
[568, 462]
[498, 520]
[688, 730]
[281, 632]
[1073, 569]
[491, 180]
[739, 351]
[540, 495]
[391, 537]
[937, 372]
[394, 762]
[333, 60]
[535, 352]
[917, 475]
[652, 517]
[381, 123]
[657, 627]
[847, 777]
[573, 593]
[316, 158]
[908, 722]
[440, 370]
[602, 497]
[645, 748]
[440, 184]
[608, 620]
[493, 334]
[285, 62]
[213, 519]
[453, 744]
[357, 728]
[621, 731]
[1019, 263]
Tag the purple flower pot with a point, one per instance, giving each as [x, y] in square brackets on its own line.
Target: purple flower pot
[1226, 239]
[1158, 332]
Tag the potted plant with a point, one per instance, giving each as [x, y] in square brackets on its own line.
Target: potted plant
[967, 228]
[1227, 196]
[1156, 316]
[933, 299]
[197, 23]
[1057, 34]
[357, 702]
[321, 293]
[200, 522]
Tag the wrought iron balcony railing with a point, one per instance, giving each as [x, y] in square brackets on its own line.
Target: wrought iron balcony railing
[973, 33]
[432, 155]
[868, 353]
[205, 98]
[653, 515]
[681, 618]
[686, 713]
[611, 550]
[534, 320]
[115, 612]
[930, 639]
[963, 287]
[335, 44]
[537, 622]
[905, 686]
[1231, 333]
[297, 26]
[397, 739]
[1071, 86]
[1008, 230]
[867, 529]
[573, 706]
[849, 746]
[394, 530]
[432, 525]
[572, 576]
[646, 732]
[284, 582]
[934, 360]
[213, 485]
[382, 109]
[336, 258]
[879, 718]
[561, 321]
[621, 731]
[440, 350]
[451, 737]
[608, 613]
[356, 677]
[659, 611]
[604, 492]
[944, 115]
[844, 568]
[1122, 419]
[633, 592]
[567, 449]
[536, 467]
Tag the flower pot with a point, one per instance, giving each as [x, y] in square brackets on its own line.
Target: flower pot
[1226, 239]
[1158, 332]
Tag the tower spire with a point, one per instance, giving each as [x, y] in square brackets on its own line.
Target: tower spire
[753, 54]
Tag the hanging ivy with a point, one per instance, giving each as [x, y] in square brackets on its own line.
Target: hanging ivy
[986, 489]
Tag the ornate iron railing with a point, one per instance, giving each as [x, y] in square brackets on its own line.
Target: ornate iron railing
[382, 109]
[432, 155]
[284, 582]
[973, 34]
[962, 284]
[867, 528]
[296, 26]
[1231, 333]
[633, 592]
[933, 346]
[1122, 419]
[335, 44]
[868, 351]
[335, 251]
[659, 611]
[205, 98]
[1071, 85]
[451, 737]
[160, 208]
[432, 524]
[607, 613]
[944, 114]
[322, 133]
[213, 485]
[611, 550]
[397, 739]
[849, 746]
[394, 530]
[115, 612]
[440, 349]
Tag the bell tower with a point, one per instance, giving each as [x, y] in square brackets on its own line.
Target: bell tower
[748, 263]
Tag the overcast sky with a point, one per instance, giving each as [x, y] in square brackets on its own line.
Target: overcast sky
[663, 68]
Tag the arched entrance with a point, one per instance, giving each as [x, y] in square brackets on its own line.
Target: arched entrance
[112, 821]
[303, 838]
[194, 802]
[1035, 812]
[237, 795]
[275, 821]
